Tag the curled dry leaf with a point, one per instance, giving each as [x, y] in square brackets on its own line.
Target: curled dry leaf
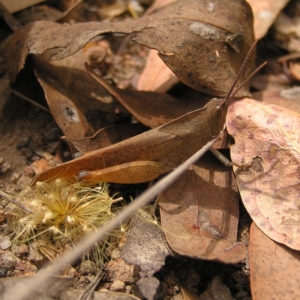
[203, 42]
[215, 35]
[267, 140]
[200, 212]
[150, 108]
[274, 268]
[78, 104]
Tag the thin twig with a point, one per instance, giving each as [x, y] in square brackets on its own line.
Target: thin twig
[88, 292]
[96, 236]
[15, 202]
[30, 101]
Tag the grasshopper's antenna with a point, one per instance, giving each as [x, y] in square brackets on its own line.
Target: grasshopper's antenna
[229, 96]
[248, 78]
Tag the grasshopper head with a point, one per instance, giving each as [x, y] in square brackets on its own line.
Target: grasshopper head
[216, 114]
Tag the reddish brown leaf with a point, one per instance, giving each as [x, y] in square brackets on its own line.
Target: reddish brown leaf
[274, 268]
[200, 211]
[267, 140]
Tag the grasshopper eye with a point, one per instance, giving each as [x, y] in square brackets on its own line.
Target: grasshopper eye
[218, 113]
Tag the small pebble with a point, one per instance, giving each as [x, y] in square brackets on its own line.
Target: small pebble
[34, 255]
[22, 250]
[117, 286]
[119, 269]
[115, 254]
[178, 297]
[20, 266]
[23, 142]
[5, 242]
[2, 216]
[30, 269]
[87, 267]
[52, 134]
[14, 177]
[9, 260]
[3, 271]
[1, 160]
[5, 167]
[241, 295]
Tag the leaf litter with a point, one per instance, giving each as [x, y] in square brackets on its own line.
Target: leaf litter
[213, 84]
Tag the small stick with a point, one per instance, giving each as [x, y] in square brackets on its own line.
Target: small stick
[12, 200]
[30, 101]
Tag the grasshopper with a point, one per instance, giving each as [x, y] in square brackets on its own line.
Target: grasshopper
[146, 156]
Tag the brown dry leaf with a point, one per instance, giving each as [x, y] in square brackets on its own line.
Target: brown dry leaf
[151, 108]
[13, 6]
[200, 212]
[267, 138]
[265, 13]
[78, 104]
[274, 268]
[107, 136]
[38, 37]
[158, 4]
[214, 34]
[40, 166]
[203, 34]
[156, 76]
[48, 13]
